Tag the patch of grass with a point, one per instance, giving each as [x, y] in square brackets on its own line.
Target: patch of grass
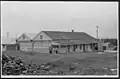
[37, 58]
[95, 61]
[76, 59]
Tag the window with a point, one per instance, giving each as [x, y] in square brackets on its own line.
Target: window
[91, 46]
[3, 46]
[23, 37]
[63, 46]
[41, 36]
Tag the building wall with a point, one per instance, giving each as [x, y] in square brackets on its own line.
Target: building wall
[11, 47]
[24, 43]
[100, 46]
[63, 50]
[42, 46]
[25, 46]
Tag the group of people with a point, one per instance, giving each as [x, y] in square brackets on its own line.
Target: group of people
[53, 50]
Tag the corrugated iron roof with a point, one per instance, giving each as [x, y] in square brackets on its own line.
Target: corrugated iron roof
[64, 42]
[30, 35]
[8, 40]
[68, 35]
[77, 37]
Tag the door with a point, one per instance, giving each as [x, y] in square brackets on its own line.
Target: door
[83, 47]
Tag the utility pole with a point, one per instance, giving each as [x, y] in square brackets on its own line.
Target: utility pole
[16, 35]
[97, 31]
[97, 36]
[32, 47]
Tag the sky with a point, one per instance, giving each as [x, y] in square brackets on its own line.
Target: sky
[33, 17]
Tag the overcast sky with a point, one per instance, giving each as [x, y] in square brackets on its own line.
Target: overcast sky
[32, 17]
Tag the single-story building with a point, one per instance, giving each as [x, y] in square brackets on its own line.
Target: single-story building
[63, 41]
[107, 46]
[9, 44]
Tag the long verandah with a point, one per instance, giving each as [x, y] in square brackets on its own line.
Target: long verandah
[70, 47]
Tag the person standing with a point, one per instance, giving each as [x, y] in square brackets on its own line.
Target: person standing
[50, 49]
[56, 50]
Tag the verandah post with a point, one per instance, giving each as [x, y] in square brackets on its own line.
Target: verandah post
[59, 48]
[92, 47]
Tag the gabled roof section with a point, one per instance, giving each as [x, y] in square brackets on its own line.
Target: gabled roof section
[64, 42]
[30, 35]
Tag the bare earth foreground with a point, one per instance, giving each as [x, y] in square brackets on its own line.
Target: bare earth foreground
[73, 63]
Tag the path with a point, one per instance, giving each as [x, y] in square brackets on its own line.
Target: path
[58, 58]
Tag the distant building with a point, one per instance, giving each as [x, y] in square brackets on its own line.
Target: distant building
[107, 46]
[63, 41]
[8, 44]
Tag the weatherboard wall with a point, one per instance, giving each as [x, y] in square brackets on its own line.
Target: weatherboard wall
[25, 46]
[42, 46]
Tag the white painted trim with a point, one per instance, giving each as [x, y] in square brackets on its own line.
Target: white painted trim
[40, 33]
[21, 36]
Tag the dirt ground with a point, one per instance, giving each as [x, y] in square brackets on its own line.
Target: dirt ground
[77, 60]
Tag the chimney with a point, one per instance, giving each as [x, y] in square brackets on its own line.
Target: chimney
[72, 30]
[7, 34]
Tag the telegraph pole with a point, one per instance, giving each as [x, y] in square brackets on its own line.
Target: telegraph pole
[97, 31]
[32, 47]
[16, 35]
[97, 36]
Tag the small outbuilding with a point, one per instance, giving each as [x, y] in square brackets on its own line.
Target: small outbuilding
[9, 44]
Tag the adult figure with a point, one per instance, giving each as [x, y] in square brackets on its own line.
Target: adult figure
[56, 50]
[50, 49]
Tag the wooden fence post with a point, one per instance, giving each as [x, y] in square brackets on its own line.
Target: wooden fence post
[32, 47]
